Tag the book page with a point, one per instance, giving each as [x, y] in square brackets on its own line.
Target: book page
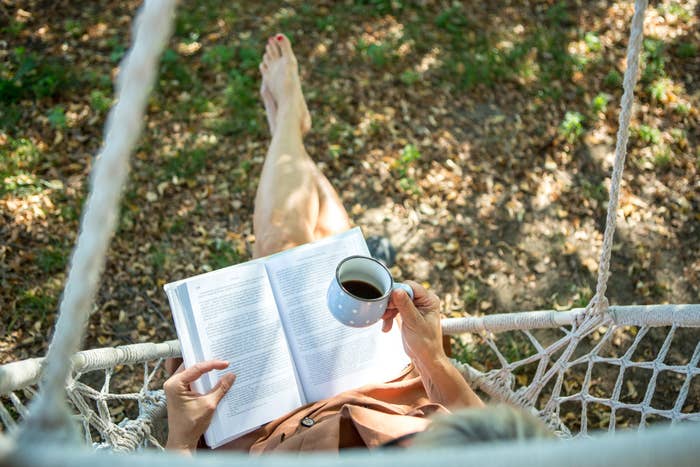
[236, 318]
[330, 357]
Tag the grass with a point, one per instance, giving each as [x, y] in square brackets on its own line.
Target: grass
[186, 164]
[408, 155]
[222, 253]
[571, 128]
[51, 260]
[600, 102]
[57, 118]
[648, 134]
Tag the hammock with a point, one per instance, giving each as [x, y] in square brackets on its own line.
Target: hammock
[559, 342]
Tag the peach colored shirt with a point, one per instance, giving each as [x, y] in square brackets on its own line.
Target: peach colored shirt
[361, 418]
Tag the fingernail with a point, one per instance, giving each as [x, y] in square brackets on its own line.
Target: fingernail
[279, 37]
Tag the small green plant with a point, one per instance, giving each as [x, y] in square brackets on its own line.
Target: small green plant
[682, 109]
[409, 154]
[600, 103]
[73, 27]
[27, 75]
[223, 254]
[593, 43]
[654, 59]
[571, 127]
[686, 50]
[51, 260]
[675, 9]
[648, 134]
[662, 157]
[99, 102]
[57, 118]
[613, 79]
[378, 54]
[660, 89]
[158, 258]
[409, 77]
[219, 55]
[187, 163]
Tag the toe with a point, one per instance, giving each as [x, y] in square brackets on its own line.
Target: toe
[263, 68]
[272, 50]
[284, 44]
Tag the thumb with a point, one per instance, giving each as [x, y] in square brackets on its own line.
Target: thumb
[222, 387]
[404, 304]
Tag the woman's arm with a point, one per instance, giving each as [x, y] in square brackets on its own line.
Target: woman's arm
[422, 339]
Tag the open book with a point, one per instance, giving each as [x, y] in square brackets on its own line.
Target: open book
[268, 318]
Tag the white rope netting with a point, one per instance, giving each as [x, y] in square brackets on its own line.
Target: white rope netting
[533, 370]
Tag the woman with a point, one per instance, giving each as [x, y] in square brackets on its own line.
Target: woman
[296, 204]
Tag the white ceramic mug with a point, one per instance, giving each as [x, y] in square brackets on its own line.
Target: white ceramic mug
[361, 310]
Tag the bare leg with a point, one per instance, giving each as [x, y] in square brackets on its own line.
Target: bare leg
[295, 203]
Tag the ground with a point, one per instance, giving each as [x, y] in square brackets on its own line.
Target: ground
[478, 138]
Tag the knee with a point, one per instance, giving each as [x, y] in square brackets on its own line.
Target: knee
[280, 240]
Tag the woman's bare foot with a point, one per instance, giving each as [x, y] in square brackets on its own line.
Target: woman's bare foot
[281, 88]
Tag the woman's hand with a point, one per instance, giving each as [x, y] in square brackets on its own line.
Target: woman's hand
[420, 321]
[189, 413]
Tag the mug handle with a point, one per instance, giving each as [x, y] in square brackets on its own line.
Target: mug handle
[405, 287]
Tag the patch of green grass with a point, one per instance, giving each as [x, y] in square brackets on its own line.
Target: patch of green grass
[571, 127]
[675, 9]
[379, 54]
[57, 118]
[27, 75]
[454, 20]
[99, 102]
[222, 254]
[613, 79]
[73, 27]
[13, 28]
[470, 294]
[409, 154]
[173, 69]
[686, 50]
[18, 159]
[186, 164]
[599, 104]
[51, 260]
[409, 77]
[648, 134]
[32, 304]
[662, 157]
[158, 257]
[659, 90]
[654, 59]
[595, 191]
[240, 95]
[682, 109]
[592, 41]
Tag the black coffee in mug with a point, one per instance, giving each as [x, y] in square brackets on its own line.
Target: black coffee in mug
[362, 289]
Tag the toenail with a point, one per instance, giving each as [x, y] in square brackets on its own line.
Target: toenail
[279, 37]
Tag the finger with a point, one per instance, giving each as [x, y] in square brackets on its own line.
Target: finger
[388, 318]
[192, 373]
[171, 365]
[405, 306]
[221, 388]
[422, 297]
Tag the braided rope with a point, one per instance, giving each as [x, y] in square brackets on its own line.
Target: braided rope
[151, 32]
[630, 80]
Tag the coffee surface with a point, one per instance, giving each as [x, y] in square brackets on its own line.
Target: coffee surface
[362, 289]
